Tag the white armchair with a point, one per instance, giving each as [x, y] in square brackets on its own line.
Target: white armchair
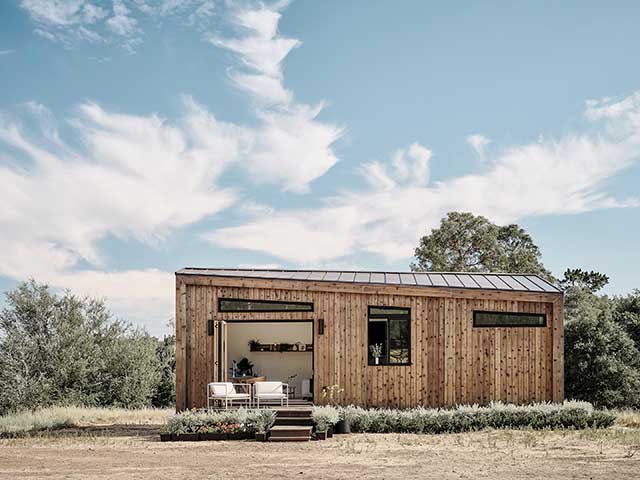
[226, 393]
[271, 391]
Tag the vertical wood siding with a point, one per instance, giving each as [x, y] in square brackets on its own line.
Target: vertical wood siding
[451, 361]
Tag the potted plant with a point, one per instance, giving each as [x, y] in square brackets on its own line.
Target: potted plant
[347, 414]
[262, 423]
[324, 418]
[235, 431]
[184, 427]
[245, 367]
[212, 432]
[376, 352]
[253, 345]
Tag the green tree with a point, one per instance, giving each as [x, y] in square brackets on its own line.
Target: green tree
[577, 278]
[602, 361]
[627, 315]
[165, 391]
[63, 349]
[471, 243]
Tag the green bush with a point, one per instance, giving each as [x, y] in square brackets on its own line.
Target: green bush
[325, 417]
[61, 350]
[465, 418]
[230, 421]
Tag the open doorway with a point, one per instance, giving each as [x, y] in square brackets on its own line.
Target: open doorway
[272, 351]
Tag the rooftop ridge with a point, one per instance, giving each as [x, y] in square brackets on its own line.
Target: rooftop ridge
[522, 282]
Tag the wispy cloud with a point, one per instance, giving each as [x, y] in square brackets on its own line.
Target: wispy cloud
[135, 177]
[70, 22]
[291, 147]
[547, 177]
[5, 52]
[141, 177]
[478, 144]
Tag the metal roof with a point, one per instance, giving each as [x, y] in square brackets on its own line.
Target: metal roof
[487, 281]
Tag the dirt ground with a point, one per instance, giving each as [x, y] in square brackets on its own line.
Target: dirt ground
[135, 452]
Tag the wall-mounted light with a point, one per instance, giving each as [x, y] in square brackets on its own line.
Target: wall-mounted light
[321, 326]
[210, 327]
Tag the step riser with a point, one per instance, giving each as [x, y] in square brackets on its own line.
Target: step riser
[293, 413]
[289, 439]
[298, 422]
[290, 435]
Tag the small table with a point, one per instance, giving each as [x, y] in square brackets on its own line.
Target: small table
[247, 379]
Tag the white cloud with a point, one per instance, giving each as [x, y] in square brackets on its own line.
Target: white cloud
[55, 12]
[122, 22]
[548, 177]
[478, 143]
[134, 178]
[291, 146]
[5, 52]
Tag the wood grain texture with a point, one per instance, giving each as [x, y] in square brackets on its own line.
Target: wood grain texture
[451, 361]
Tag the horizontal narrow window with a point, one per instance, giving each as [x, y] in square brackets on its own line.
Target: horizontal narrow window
[239, 305]
[508, 319]
[389, 336]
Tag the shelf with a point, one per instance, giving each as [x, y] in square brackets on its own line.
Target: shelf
[281, 347]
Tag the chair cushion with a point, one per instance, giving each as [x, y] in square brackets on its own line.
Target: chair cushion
[268, 387]
[271, 395]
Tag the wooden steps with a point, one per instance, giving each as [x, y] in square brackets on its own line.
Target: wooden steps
[292, 425]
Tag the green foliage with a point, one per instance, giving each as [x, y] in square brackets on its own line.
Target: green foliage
[324, 417]
[165, 391]
[471, 243]
[569, 415]
[229, 421]
[577, 278]
[602, 353]
[66, 350]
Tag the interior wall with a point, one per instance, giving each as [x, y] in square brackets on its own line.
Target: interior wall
[276, 366]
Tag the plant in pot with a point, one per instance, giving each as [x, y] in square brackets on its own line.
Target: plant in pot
[324, 418]
[212, 432]
[235, 431]
[245, 367]
[347, 415]
[331, 395]
[376, 352]
[261, 421]
[253, 345]
[184, 426]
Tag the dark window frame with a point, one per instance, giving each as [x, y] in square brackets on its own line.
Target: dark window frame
[509, 325]
[266, 309]
[393, 316]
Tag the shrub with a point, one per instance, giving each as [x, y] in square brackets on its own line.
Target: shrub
[231, 421]
[324, 417]
[465, 418]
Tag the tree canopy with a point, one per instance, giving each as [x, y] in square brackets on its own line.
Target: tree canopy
[63, 349]
[465, 242]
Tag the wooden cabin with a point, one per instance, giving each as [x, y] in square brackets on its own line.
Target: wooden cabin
[387, 339]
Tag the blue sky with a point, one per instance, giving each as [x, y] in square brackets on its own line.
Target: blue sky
[138, 137]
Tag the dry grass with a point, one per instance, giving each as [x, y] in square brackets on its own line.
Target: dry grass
[628, 418]
[494, 455]
[60, 417]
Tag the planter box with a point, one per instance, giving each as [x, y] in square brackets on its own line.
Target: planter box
[213, 436]
[262, 436]
[330, 432]
[239, 436]
[321, 435]
[185, 437]
[165, 437]
[343, 427]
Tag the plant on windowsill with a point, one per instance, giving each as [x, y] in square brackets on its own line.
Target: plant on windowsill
[253, 345]
[376, 352]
